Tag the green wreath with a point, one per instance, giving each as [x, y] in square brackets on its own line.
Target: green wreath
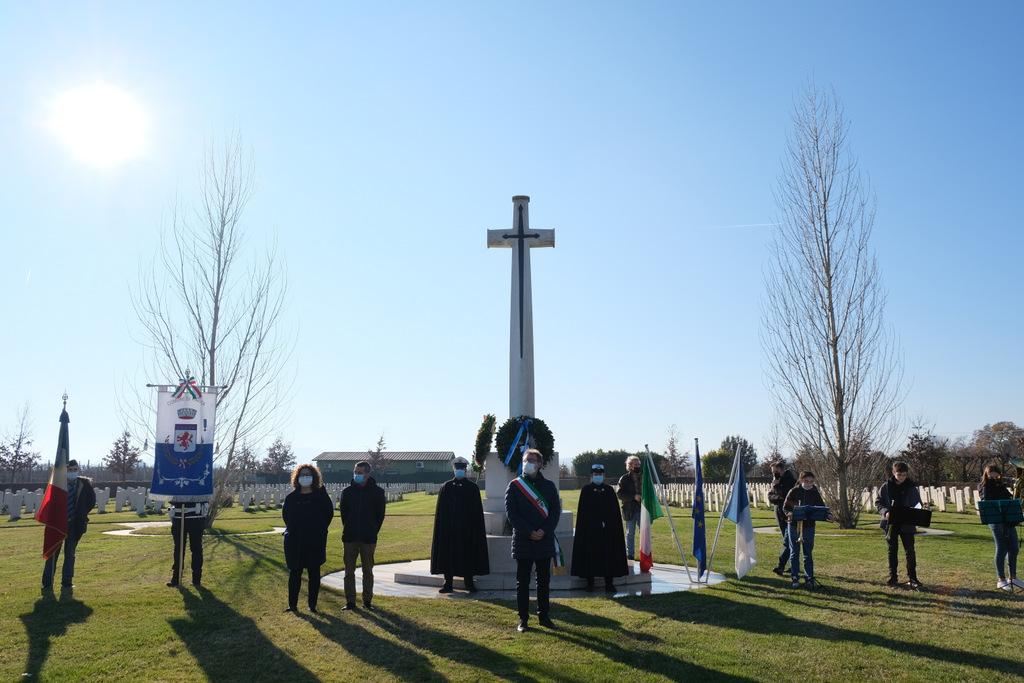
[484, 438]
[540, 437]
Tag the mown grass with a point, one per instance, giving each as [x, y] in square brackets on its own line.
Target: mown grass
[122, 623]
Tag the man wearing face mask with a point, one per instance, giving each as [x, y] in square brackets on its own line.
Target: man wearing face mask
[459, 547]
[630, 485]
[598, 546]
[362, 514]
[81, 499]
[533, 509]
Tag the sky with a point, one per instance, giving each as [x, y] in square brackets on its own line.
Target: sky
[388, 137]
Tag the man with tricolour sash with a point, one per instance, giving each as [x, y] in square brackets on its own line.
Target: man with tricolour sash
[533, 509]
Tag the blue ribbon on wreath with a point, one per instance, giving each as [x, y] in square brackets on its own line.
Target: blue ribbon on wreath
[515, 442]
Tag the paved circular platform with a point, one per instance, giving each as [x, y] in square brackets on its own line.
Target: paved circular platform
[135, 526]
[665, 578]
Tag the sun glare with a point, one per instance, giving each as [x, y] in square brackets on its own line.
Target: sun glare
[101, 124]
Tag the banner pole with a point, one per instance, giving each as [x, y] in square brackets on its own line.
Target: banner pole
[181, 542]
[721, 513]
[668, 513]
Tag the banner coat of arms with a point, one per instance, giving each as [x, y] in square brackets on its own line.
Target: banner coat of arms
[183, 462]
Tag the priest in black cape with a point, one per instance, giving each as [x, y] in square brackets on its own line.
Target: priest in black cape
[460, 541]
[599, 547]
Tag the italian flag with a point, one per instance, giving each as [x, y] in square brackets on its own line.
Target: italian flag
[650, 510]
[53, 511]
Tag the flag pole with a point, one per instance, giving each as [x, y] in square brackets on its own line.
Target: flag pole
[668, 513]
[181, 543]
[721, 513]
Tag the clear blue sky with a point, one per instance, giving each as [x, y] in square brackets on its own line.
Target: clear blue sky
[389, 136]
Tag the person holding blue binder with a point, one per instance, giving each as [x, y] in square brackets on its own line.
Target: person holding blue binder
[801, 532]
[1005, 535]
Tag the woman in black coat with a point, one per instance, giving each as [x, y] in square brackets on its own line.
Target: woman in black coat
[307, 514]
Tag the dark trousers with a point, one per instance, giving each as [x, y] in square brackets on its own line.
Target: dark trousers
[295, 582]
[194, 539]
[784, 526]
[448, 578]
[904, 533]
[363, 551]
[524, 568]
[67, 572]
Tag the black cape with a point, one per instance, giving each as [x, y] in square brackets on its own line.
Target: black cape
[598, 548]
[460, 542]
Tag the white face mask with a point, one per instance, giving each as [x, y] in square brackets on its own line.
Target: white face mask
[72, 475]
[529, 467]
[305, 480]
[807, 487]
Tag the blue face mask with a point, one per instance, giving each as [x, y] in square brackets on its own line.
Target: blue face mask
[460, 473]
[359, 478]
[597, 479]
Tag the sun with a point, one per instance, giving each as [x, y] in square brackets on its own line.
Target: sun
[102, 125]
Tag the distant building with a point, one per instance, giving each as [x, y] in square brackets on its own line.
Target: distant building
[400, 466]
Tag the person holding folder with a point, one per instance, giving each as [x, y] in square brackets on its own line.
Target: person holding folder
[1005, 535]
[899, 491]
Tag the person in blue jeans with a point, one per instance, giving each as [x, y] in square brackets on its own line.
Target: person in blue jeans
[81, 500]
[801, 534]
[783, 482]
[1005, 535]
[630, 487]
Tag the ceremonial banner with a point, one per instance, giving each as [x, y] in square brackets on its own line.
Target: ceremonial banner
[650, 510]
[700, 542]
[738, 511]
[183, 458]
[53, 511]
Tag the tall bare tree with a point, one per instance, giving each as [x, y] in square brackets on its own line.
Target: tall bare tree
[206, 306]
[832, 362]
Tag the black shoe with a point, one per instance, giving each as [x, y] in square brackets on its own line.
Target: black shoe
[313, 609]
[197, 583]
[349, 607]
[471, 587]
[589, 587]
[523, 627]
[546, 622]
[810, 583]
[892, 582]
[447, 588]
[368, 607]
[914, 584]
[609, 588]
[795, 584]
[291, 609]
[781, 571]
[173, 583]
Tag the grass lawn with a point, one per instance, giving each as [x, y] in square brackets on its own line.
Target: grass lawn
[123, 623]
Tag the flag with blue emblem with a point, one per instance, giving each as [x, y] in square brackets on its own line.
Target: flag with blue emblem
[183, 457]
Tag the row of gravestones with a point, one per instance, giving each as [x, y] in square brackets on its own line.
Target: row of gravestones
[25, 503]
[269, 496]
[962, 499]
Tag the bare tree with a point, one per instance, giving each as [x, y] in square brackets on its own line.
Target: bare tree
[204, 306]
[16, 455]
[832, 362]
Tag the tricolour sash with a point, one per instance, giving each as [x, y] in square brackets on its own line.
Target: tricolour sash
[526, 487]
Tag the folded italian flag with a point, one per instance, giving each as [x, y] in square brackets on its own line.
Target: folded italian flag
[650, 510]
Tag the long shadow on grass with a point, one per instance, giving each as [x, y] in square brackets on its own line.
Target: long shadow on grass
[47, 620]
[708, 608]
[360, 642]
[227, 645]
[450, 646]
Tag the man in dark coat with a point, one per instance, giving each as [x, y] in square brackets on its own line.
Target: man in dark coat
[459, 547]
[362, 514]
[598, 545]
[783, 482]
[533, 509]
[899, 491]
[630, 486]
[81, 500]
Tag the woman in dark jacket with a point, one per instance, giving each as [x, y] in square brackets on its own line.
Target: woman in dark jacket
[1005, 535]
[307, 514]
